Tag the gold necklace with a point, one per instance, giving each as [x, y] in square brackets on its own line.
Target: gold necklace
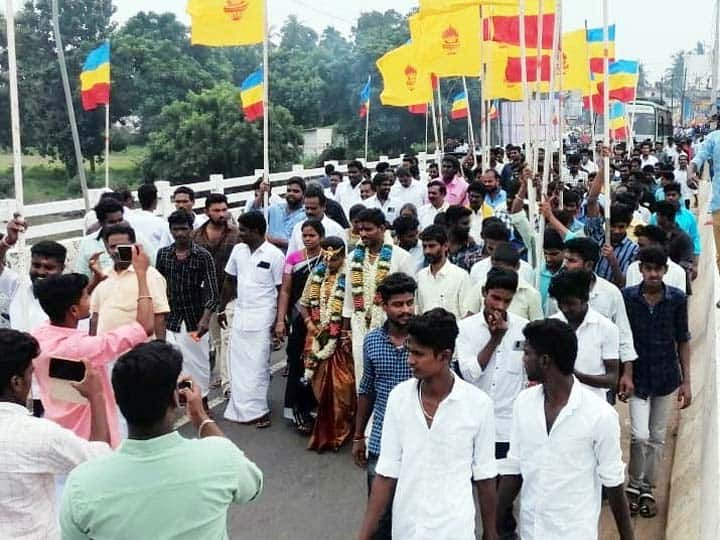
[422, 406]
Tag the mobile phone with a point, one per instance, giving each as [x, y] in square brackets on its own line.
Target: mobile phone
[125, 253]
[67, 370]
[183, 384]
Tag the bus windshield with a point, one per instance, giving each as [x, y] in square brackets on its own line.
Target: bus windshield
[645, 125]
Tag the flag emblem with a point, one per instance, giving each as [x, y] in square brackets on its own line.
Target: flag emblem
[236, 9]
[450, 40]
[411, 77]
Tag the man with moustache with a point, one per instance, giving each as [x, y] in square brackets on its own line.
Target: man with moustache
[283, 217]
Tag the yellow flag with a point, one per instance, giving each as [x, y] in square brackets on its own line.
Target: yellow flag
[406, 81]
[440, 5]
[448, 42]
[498, 87]
[576, 68]
[224, 23]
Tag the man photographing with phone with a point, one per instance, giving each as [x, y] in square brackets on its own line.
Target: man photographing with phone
[159, 484]
[34, 450]
[66, 301]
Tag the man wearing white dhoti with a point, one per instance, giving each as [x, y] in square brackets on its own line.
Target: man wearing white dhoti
[193, 295]
[254, 275]
[368, 265]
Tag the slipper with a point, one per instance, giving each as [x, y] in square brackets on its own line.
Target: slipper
[648, 506]
[632, 495]
[263, 423]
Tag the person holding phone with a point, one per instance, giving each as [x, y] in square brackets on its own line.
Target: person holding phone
[66, 301]
[159, 484]
[33, 451]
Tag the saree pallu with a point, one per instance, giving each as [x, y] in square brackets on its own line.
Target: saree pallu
[334, 388]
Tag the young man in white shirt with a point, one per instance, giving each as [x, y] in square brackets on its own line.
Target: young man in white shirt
[407, 190]
[436, 204]
[407, 237]
[490, 349]
[144, 220]
[437, 442]
[441, 284]
[597, 361]
[347, 192]
[382, 199]
[646, 158]
[564, 447]
[34, 450]
[654, 236]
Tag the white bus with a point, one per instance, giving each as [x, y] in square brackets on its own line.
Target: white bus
[652, 120]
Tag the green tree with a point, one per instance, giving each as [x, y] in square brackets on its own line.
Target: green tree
[206, 133]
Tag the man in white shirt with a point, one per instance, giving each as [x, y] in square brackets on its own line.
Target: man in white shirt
[494, 233]
[314, 203]
[526, 302]
[646, 158]
[681, 177]
[437, 441]
[587, 164]
[441, 284]
[144, 221]
[406, 236]
[382, 200]
[490, 349]
[436, 203]
[34, 450]
[336, 178]
[654, 236]
[254, 275]
[598, 338]
[564, 447]
[348, 191]
[407, 190]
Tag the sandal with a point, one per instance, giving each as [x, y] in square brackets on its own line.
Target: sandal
[633, 495]
[264, 422]
[648, 506]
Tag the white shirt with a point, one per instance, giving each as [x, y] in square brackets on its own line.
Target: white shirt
[642, 214]
[480, 270]
[418, 256]
[651, 160]
[167, 238]
[598, 340]
[589, 167]
[329, 194]
[258, 274]
[415, 194]
[526, 302]
[32, 451]
[504, 376]
[681, 178]
[446, 289]
[563, 471]
[674, 277]
[391, 207]
[148, 224]
[332, 228]
[427, 213]
[607, 300]
[435, 466]
[570, 180]
[347, 195]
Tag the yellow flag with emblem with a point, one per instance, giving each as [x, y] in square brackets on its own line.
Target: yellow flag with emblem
[576, 68]
[448, 41]
[226, 23]
[406, 81]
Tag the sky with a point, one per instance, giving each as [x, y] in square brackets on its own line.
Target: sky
[647, 30]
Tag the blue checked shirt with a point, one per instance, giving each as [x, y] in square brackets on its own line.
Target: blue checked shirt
[625, 253]
[657, 330]
[385, 366]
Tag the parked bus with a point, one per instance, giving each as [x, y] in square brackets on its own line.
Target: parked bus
[652, 120]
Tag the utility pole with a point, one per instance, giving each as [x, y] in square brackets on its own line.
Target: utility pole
[682, 97]
[715, 58]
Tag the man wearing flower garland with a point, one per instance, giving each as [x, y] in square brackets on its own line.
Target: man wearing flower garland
[368, 266]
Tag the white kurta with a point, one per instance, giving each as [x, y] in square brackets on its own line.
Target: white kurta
[401, 261]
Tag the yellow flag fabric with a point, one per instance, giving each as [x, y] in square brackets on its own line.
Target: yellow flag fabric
[576, 69]
[497, 85]
[509, 9]
[448, 42]
[406, 81]
[225, 23]
[441, 5]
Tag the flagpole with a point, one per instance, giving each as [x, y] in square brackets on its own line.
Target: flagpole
[440, 117]
[631, 127]
[483, 93]
[558, 68]
[427, 140]
[266, 110]
[367, 124]
[538, 98]
[69, 103]
[107, 145]
[590, 95]
[469, 120]
[549, 146]
[435, 127]
[606, 118]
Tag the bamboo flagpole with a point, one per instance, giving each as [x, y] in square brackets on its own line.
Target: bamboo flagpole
[631, 127]
[440, 118]
[538, 95]
[427, 138]
[107, 146]
[266, 110]
[606, 117]
[590, 94]
[435, 126]
[69, 103]
[549, 143]
[471, 131]
[367, 123]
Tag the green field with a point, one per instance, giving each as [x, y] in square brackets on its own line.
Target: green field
[45, 180]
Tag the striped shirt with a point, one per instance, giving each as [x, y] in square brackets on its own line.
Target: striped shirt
[625, 252]
[385, 366]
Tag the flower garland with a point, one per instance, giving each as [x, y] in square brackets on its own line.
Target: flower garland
[326, 306]
[359, 267]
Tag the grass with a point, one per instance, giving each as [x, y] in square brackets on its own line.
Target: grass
[46, 180]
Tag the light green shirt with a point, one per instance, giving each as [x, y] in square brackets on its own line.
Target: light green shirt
[168, 487]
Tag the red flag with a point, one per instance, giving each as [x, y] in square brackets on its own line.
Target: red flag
[513, 70]
[506, 29]
[597, 103]
[418, 109]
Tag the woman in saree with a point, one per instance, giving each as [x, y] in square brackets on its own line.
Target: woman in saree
[299, 399]
[328, 356]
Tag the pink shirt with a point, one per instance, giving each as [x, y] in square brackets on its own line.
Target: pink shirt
[100, 351]
[457, 191]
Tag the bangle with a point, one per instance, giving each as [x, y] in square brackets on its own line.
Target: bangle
[359, 439]
[144, 298]
[203, 424]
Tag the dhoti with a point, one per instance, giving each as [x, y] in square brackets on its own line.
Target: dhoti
[249, 363]
[196, 357]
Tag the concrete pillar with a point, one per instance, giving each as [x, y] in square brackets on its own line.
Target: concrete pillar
[165, 204]
[217, 183]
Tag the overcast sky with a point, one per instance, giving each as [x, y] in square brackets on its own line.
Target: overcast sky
[648, 30]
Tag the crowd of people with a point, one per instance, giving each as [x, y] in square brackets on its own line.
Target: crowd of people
[423, 324]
